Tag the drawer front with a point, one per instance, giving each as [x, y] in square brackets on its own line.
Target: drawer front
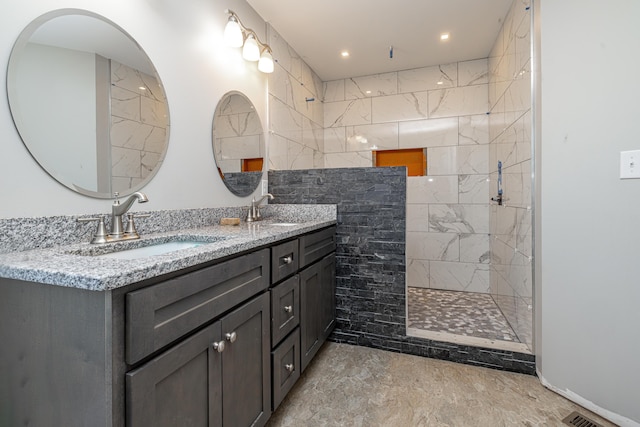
[286, 366]
[160, 314]
[316, 245]
[284, 260]
[285, 309]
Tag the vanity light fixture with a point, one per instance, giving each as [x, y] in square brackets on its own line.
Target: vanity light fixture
[237, 35]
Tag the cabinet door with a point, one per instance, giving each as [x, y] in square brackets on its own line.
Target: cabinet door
[181, 387]
[246, 368]
[328, 278]
[310, 313]
[317, 306]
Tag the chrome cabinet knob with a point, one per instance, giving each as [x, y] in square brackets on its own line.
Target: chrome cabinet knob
[289, 367]
[288, 308]
[288, 259]
[218, 346]
[231, 337]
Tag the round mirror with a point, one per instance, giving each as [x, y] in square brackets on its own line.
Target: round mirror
[88, 103]
[238, 143]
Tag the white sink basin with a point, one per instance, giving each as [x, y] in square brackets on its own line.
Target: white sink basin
[152, 250]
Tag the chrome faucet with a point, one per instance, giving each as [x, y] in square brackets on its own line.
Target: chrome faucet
[254, 209]
[117, 210]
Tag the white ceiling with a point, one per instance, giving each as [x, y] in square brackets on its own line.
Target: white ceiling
[320, 29]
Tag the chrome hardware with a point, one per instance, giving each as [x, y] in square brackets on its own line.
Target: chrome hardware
[288, 259]
[218, 346]
[288, 308]
[117, 210]
[100, 236]
[254, 210]
[131, 227]
[289, 367]
[231, 337]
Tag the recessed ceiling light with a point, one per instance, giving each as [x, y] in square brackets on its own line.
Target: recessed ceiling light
[368, 92]
[439, 83]
[344, 53]
[444, 36]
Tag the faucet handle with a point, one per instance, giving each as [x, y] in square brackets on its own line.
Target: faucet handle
[100, 236]
[131, 227]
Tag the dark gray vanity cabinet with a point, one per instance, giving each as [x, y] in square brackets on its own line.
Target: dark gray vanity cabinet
[218, 377]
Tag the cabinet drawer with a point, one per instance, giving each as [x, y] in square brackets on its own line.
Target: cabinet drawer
[160, 314]
[286, 366]
[284, 260]
[316, 245]
[285, 309]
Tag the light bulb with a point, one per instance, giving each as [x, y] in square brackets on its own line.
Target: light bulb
[233, 33]
[251, 51]
[265, 64]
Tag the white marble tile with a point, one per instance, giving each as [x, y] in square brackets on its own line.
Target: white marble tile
[347, 113]
[229, 165]
[473, 189]
[442, 161]
[312, 135]
[382, 136]
[299, 156]
[394, 108]
[516, 184]
[473, 219]
[225, 126]
[473, 130]
[283, 54]
[249, 124]
[429, 133]
[127, 133]
[285, 121]
[428, 78]
[125, 104]
[281, 85]
[148, 162]
[125, 162]
[125, 77]
[152, 88]
[368, 86]
[417, 218]
[457, 276]
[432, 189]
[240, 147]
[278, 151]
[318, 160]
[155, 141]
[433, 246]
[333, 91]
[417, 273]
[307, 80]
[335, 140]
[474, 248]
[461, 101]
[505, 223]
[473, 72]
[348, 160]
[473, 159]
[305, 102]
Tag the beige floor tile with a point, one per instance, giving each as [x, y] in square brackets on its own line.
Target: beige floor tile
[358, 386]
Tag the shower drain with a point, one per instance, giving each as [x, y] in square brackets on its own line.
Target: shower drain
[578, 420]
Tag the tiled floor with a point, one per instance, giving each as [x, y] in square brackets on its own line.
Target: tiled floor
[358, 386]
[437, 314]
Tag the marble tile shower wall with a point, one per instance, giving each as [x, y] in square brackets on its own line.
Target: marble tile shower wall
[295, 110]
[139, 125]
[510, 143]
[443, 109]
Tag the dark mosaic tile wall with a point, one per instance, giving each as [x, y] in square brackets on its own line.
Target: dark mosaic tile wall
[370, 258]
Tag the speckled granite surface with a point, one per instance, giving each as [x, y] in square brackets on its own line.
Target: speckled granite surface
[70, 260]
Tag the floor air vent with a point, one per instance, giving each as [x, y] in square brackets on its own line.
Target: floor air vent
[578, 420]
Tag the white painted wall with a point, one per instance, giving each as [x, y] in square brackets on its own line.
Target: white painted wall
[588, 257]
[184, 41]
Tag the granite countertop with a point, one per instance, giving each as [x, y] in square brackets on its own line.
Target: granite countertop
[75, 265]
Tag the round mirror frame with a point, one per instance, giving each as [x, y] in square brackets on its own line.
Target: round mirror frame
[238, 143]
[155, 97]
